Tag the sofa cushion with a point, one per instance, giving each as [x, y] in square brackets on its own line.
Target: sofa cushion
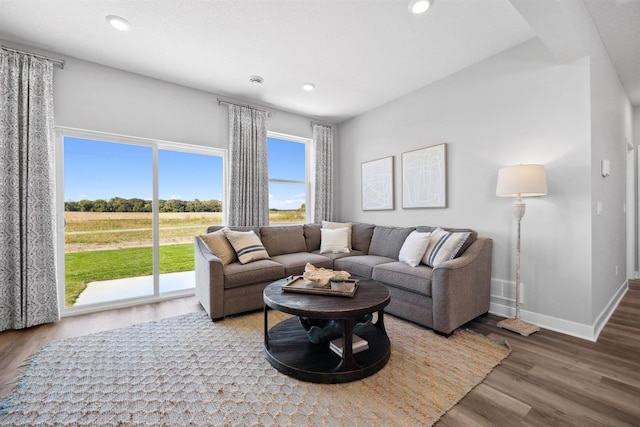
[361, 265]
[472, 237]
[414, 248]
[335, 225]
[247, 245]
[400, 275]
[443, 246]
[294, 264]
[335, 240]
[361, 236]
[283, 239]
[219, 245]
[262, 271]
[212, 228]
[387, 241]
[312, 236]
[339, 255]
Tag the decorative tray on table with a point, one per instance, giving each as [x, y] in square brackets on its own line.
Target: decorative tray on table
[346, 288]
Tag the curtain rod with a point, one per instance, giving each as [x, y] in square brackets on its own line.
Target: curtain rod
[321, 124]
[222, 101]
[59, 62]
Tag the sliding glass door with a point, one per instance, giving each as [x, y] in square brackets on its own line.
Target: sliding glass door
[128, 210]
[190, 199]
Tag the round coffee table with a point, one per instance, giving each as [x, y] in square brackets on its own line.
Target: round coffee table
[287, 346]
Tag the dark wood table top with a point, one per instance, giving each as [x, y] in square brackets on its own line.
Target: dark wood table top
[370, 296]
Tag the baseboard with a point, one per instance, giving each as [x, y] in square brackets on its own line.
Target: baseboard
[567, 327]
[603, 318]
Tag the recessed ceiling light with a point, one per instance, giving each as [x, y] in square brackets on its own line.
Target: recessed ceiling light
[419, 6]
[118, 23]
[308, 87]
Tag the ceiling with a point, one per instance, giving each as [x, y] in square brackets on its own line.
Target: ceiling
[618, 22]
[359, 54]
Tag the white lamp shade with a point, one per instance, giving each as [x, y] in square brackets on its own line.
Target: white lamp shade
[521, 181]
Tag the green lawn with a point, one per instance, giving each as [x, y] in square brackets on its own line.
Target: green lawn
[84, 267]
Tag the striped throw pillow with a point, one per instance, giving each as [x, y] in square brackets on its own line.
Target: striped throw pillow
[443, 246]
[247, 245]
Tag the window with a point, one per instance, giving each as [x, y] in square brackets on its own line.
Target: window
[131, 207]
[288, 178]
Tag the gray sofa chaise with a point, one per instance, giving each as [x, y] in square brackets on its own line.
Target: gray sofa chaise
[442, 298]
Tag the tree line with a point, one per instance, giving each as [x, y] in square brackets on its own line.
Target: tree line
[118, 204]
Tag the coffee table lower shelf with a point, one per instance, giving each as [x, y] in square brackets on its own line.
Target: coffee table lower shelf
[290, 352]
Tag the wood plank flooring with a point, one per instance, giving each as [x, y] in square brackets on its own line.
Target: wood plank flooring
[549, 379]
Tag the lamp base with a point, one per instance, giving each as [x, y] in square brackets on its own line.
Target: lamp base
[520, 326]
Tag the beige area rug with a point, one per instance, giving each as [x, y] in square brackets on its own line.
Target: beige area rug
[189, 371]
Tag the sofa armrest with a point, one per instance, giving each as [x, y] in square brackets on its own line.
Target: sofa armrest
[461, 288]
[209, 280]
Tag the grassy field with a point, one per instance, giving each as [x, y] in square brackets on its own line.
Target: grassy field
[104, 245]
[84, 267]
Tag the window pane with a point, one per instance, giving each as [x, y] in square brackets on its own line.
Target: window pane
[190, 199]
[108, 234]
[286, 202]
[287, 160]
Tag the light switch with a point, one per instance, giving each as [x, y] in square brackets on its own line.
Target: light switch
[599, 208]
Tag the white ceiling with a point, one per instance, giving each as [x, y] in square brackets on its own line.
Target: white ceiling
[359, 54]
[618, 22]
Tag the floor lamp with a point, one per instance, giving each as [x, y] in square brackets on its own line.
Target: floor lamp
[520, 181]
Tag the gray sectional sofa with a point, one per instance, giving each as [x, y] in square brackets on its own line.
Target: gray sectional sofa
[442, 298]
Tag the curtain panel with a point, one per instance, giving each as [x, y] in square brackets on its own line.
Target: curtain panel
[323, 189]
[249, 175]
[28, 288]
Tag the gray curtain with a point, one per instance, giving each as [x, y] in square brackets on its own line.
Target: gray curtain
[249, 175]
[28, 289]
[323, 142]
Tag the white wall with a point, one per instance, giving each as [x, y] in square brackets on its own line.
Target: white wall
[516, 107]
[98, 98]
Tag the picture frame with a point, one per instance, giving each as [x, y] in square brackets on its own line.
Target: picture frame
[377, 184]
[424, 177]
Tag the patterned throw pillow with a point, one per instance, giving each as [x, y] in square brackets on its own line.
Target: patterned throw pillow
[336, 225]
[443, 246]
[334, 241]
[219, 245]
[413, 248]
[247, 245]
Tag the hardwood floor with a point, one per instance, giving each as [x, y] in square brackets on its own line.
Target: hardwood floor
[549, 379]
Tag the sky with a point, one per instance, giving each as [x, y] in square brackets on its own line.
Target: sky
[103, 170]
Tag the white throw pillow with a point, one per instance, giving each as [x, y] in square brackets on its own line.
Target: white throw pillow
[336, 225]
[413, 248]
[443, 246]
[334, 240]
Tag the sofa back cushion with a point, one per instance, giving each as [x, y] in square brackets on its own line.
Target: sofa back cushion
[312, 236]
[387, 241]
[212, 228]
[361, 234]
[283, 239]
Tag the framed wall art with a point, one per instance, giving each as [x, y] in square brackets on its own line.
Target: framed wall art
[377, 184]
[424, 178]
